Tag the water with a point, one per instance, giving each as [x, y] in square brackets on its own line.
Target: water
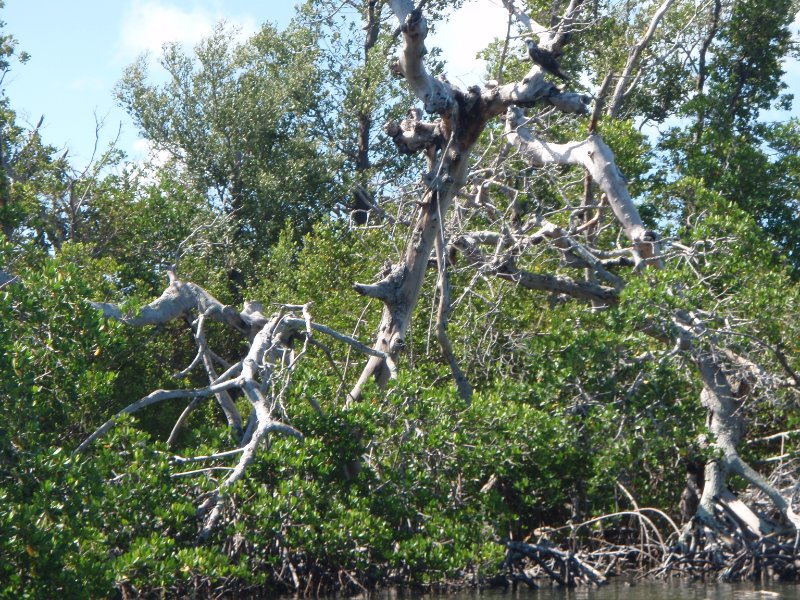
[622, 591]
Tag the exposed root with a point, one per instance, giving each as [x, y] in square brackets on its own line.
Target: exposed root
[632, 544]
[565, 568]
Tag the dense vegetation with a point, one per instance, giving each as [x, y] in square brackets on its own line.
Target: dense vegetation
[576, 412]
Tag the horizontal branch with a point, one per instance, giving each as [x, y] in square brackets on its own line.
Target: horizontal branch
[154, 398]
[179, 300]
[200, 472]
[505, 268]
[350, 341]
[538, 552]
[596, 157]
[182, 460]
[532, 90]
[559, 284]
[6, 279]
[575, 254]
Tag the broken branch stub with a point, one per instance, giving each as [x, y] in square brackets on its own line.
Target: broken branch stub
[447, 144]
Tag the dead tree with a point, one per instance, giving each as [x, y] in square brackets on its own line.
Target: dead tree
[456, 120]
[446, 143]
[262, 375]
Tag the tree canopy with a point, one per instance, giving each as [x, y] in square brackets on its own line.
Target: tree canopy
[356, 326]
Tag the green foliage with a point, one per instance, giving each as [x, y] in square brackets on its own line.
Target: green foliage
[746, 71]
[8, 48]
[62, 522]
[145, 221]
[322, 269]
[727, 143]
[71, 527]
[238, 118]
[408, 485]
[29, 174]
[53, 343]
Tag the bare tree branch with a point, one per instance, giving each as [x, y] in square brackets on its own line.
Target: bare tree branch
[633, 58]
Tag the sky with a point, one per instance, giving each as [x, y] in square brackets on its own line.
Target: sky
[80, 48]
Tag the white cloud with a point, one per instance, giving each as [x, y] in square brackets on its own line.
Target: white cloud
[142, 152]
[140, 148]
[469, 30]
[149, 24]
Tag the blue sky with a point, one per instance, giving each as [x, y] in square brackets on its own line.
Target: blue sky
[79, 49]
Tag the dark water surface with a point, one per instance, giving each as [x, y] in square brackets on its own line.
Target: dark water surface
[621, 591]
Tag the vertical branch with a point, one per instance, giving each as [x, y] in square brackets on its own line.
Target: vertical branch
[501, 65]
[442, 315]
[701, 68]
[600, 101]
[400, 290]
[361, 196]
[633, 59]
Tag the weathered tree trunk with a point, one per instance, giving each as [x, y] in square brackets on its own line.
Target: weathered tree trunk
[723, 395]
[447, 144]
